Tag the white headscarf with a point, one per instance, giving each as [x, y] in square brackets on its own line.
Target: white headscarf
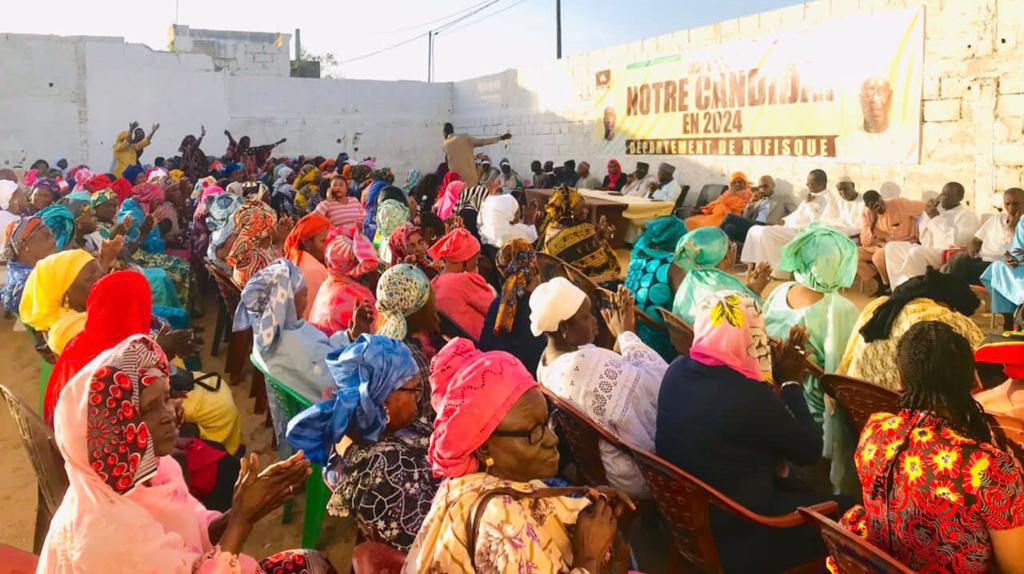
[553, 302]
[496, 228]
[7, 189]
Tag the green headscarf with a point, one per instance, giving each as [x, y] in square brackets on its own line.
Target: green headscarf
[662, 234]
[821, 259]
[101, 197]
[699, 252]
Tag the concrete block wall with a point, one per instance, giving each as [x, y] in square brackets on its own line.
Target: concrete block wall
[244, 53]
[972, 111]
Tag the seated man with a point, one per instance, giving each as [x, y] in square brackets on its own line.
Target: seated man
[639, 181]
[845, 212]
[765, 208]
[666, 188]
[990, 242]
[947, 224]
[883, 221]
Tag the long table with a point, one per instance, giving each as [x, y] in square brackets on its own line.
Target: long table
[620, 210]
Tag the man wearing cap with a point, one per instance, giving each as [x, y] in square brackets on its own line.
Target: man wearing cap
[487, 174]
[508, 178]
[666, 188]
[459, 150]
[586, 179]
[639, 180]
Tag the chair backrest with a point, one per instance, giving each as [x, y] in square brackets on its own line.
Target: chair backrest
[679, 332]
[681, 200]
[859, 399]
[1009, 431]
[376, 558]
[709, 193]
[229, 290]
[450, 328]
[853, 554]
[597, 295]
[291, 402]
[550, 266]
[42, 450]
[584, 438]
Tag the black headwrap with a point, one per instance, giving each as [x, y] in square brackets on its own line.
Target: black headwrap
[392, 192]
[939, 287]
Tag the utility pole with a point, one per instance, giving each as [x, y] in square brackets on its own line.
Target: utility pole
[558, 27]
[430, 56]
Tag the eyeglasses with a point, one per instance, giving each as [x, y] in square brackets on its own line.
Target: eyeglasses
[415, 390]
[535, 434]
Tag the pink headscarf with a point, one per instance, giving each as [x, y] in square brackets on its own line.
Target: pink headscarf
[729, 331]
[472, 391]
[457, 246]
[449, 197]
[146, 193]
[202, 208]
[349, 253]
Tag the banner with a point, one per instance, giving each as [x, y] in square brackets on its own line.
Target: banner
[848, 89]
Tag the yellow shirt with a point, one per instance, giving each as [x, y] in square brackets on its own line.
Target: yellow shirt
[126, 153]
[215, 414]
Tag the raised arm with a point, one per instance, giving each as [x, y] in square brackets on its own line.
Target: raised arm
[479, 142]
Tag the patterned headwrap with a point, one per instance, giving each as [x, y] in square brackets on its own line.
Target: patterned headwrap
[517, 263]
[147, 193]
[366, 372]
[220, 207]
[449, 197]
[176, 174]
[61, 222]
[401, 291]
[254, 222]
[309, 226]
[81, 176]
[411, 180]
[152, 243]
[457, 246]
[349, 254]
[268, 304]
[821, 259]
[17, 234]
[729, 330]
[390, 215]
[48, 183]
[471, 391]
[101, 197]
[559, 207]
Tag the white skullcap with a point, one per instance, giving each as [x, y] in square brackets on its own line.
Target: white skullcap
[553, 302]
[8, 187]
[156, 175]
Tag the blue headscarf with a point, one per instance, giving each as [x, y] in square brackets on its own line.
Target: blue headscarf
[61, 222]
[154, 243]
[131, 172]
[370, 221]
[267, 305]
[366, 373]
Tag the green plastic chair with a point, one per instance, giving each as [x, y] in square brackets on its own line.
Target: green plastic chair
[317, 493]
[45, 368]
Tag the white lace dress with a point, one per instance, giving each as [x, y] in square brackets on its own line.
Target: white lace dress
[620, 392]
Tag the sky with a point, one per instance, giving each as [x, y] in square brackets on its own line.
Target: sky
[507, 34]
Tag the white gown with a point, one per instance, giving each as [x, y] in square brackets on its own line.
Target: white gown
[949, 230]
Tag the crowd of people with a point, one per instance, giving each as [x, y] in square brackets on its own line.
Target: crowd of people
[425, 327]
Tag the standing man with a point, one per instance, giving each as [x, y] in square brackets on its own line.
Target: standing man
[639, 181]
[666, 188]
[991, 241]
[765, 208]
[586, 179]
[947, 224]
[459, 150]
[883, 221]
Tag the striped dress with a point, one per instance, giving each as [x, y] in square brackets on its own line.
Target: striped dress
[340, 213]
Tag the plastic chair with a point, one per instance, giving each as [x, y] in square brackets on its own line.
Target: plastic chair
[679, 332]
[685, 503]
[853, 554]
[47, 462]
[376, 558]
[679, 209]
[317, 493]
[859, 399]
[584, 437]
[16, 561]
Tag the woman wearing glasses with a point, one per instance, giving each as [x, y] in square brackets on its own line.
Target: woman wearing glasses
[493, 445]
[383, 478]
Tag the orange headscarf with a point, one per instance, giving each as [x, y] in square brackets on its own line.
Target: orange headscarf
[739, 175]
[309, 226]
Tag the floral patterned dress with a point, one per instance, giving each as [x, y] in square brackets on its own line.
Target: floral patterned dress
[945, 493]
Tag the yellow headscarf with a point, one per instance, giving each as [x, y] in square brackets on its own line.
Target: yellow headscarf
[176, 174]
[42, 304]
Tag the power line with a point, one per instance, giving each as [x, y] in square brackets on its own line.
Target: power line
[486, 16]
[485, 6]
[441, 19]
[382, 50]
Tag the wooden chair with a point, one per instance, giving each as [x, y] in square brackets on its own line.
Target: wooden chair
[679, 332]
[853, 554]
[859, 399]
[230, 295]
[550, 266]
[599, 296]
[47, 462]
[584, 437]
[685, 503]
[376, 558]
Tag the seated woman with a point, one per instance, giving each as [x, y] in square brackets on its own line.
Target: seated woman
[304, 247]
[500, 221]
[619, 391]
[371, 195]
[254, 224]
[653, 279]
[61, 222]
[943, 498]
[702, 254]
[383, 477]
[339, 207]
[25, 242]
[146, 246]
[732, 202]
[85, 226]
[132, 508]
[408, 245]
[221, 223]
[349, 257]
[451, 192]
[568, 236]
[732, 415]
[507, 325]
[1006, 350]
[462, 294]
[934, 296]
[822, 261]
[493, 431]
[391, 215]
[406, 310]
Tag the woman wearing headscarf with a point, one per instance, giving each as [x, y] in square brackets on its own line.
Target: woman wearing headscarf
[45, 192]
[85, 223]
[391, 215]
[220, 221]
[701, 253]
[410, 181]
[307, 187]
[147, 248]
[653, 279]
[822, 261]
[200, 232]
[61, 222]
[619, 391]
[25, 242]
[934, 296]
[500, 222]
[126, 151]
[193, 160]
[282, 193]
[10, 202]
[615, 180]
[304, 247]
[493, 431]
[55, 295]
[507, 325]
[370, 201]
[349, 256]
[383, 478]
[253, 249]
[732, 415]
[566, 235]
[408, 245]
[732, 202]
[462, 294]
[450, 194]
[127, 502]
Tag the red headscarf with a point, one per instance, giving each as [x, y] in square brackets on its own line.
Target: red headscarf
[457, 246]
[448, 178]
[613, 178]
[308, 227]
[1006, 350]
[123, 188]
[97, 183]
[119, 305]
[472, 391]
